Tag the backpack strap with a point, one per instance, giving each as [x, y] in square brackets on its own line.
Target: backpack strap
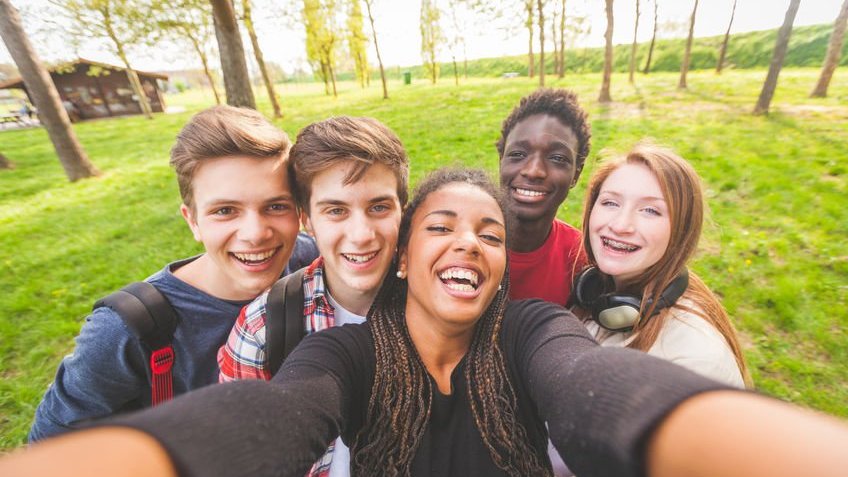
[284, 327]
[153, 320]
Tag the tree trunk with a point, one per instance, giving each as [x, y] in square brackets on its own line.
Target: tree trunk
[43, 93]
[605, 85]
[541, 43]
[783, 35]
[260, 60]
[633, 48]
[723, 52]
[653, 41]
[687, 55]
[132, 77]
[556, 44]
[377, 48]
[205, 61]
[528, 4]
[233, 63]
[562, 41]
[332, 72]
[5, 163]
[455, 71]
[834, 48]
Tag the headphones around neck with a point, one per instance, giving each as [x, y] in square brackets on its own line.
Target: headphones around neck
[618, 311]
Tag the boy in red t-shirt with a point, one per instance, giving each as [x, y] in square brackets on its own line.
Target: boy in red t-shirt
[543, 145]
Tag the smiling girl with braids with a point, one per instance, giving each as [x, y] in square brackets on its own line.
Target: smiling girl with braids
[447, 379]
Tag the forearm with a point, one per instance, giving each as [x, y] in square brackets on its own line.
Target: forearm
[117, 452]
[730, 434]
[247, 428]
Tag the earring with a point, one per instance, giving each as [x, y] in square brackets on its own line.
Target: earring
[500, 287]
[401, 274]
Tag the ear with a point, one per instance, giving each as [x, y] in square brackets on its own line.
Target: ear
[190, 219]
[307, 224]
[403, 260]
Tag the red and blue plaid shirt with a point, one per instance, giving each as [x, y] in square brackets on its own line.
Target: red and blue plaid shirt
[243, 355]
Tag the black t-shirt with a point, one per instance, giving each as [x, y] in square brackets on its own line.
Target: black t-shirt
[600, 403]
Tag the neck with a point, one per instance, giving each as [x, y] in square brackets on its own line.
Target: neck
[440, 350]
[354, 301]
[203, 275]
[529, 236]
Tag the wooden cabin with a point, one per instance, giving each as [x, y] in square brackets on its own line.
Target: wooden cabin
[96, 90]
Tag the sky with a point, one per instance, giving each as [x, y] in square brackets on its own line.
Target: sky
[282, 37]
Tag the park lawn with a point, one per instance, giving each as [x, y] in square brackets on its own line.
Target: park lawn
[774, 249]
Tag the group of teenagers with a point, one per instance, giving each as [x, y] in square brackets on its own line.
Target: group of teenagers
[476, 317]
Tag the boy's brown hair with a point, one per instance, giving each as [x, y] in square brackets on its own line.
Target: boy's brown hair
[359, 140]
[222, 131]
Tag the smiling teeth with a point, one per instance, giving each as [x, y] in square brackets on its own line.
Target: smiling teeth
[619, 245]
[254, 257]
[529, 193]
[359, 258]
[460, 274]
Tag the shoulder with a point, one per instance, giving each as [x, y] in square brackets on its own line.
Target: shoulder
[689, 340]
[535, 319]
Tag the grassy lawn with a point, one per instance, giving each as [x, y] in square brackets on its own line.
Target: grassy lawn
[775, 249]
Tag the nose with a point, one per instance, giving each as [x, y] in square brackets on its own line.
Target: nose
[360, 231]
[255, 229]
[467, 241]
[534, 168]
[622, 223]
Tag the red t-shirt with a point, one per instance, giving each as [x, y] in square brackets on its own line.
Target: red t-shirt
[548, 272]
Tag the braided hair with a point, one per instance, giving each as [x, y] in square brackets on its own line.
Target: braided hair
[402, 393]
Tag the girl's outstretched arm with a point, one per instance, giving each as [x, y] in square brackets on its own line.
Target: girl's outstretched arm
[733, 434]
[114, 451]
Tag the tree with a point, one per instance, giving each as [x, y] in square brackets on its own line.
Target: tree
[233, 63]
[561, 62]
[377, 48]
[5, 163]
[124, 23]
[653, 40]
[633, 47]
[321, 39]
[431, 37]
[357, 42]
[539, 6]
[554, 19]
[43, 92]
[723, 51]
[687, 55]
[457, 39]
[780, 47]
[834, 48]
[605, 85]
[191, 20]
[528, 7]
[260, 60]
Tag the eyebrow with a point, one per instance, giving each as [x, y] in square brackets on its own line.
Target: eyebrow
[452, 214]
[216, 202]
[555, 144]
[616, 194]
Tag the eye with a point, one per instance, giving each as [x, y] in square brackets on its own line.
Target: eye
[437, 228]
[652, 211]
[608, 203]
[279, 207]
[379, 208]
[224, 211]
[560, 159]
[335, 211]
[516, 155]
[491, 238]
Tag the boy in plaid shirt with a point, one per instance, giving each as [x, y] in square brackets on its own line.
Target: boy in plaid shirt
[351, 177]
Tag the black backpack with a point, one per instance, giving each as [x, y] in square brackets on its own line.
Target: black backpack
[150, 316]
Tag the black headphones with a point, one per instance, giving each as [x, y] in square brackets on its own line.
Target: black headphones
[620, 312]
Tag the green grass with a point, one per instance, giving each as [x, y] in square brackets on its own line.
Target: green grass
[807, 47]
[775, 249]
